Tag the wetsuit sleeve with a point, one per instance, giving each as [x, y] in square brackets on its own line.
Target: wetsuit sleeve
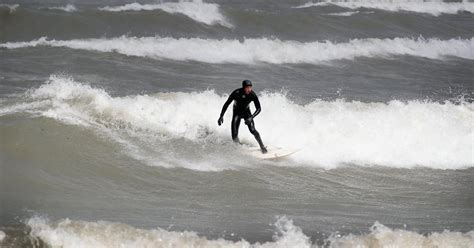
[257, 106]
[226, 104]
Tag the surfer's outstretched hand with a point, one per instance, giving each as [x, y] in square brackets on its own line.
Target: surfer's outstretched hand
[220, 121]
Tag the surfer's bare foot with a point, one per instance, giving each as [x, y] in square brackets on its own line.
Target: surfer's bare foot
[264, 150]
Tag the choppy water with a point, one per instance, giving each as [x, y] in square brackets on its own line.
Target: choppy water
[108, 133]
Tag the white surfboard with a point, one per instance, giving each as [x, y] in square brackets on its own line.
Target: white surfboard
[274, 153]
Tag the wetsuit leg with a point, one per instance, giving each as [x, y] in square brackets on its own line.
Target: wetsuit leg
[252, 129]
[235, 127]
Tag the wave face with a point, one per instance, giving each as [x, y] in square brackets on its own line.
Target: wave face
[435, 8]
[329, 133]
[273, 51]
[197, 10]
[74, 233]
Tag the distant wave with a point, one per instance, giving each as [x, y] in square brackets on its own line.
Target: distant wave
[67, 8]
[77, 233]
[197, 10]
[331, 133]
[435, 8]
[11, 7]
[274, 51]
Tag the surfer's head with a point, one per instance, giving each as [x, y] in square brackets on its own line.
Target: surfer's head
[247, 86]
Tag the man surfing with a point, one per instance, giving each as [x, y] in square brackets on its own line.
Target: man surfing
[242, 98]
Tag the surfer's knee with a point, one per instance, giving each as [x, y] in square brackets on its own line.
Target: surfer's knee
[252, 128]
[254, 132]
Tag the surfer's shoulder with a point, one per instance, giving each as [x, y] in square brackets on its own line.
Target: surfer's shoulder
[254, 95]
[236, 92]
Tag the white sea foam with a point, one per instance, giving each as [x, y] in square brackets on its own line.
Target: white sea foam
[2, 236]
[264, 50]
[67, 8]
[330, 133]
[382, 236]
[348, 13]
[11, 7]
[433, 7]
[197, 10]
[75, 233]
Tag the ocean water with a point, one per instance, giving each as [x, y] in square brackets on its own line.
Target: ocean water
[109, 135]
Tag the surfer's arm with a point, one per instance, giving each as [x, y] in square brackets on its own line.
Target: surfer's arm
[224, 108]
[257, 107]
[226, 105]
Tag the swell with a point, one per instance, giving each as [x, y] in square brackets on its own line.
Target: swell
[436, 8]
[186, 20]
[64, 22]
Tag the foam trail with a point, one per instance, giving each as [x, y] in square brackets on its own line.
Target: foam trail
[331, 133]
[76, 233]
[435, 8]
[197, 10]
[67, 8]
[274, 51]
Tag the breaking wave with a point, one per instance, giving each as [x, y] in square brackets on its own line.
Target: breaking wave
[67, 8]
[77, 233]
[263, 50]
[329, 133]
[197, 10]
[11, 7]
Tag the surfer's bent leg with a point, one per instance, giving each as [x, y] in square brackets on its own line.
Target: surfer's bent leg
[255, 133]
[235, 127]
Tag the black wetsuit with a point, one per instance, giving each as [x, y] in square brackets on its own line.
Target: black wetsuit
[242, 110]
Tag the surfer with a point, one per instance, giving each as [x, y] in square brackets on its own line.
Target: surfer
[242, 98]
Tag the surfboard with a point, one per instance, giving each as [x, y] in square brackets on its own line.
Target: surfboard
[274, 153]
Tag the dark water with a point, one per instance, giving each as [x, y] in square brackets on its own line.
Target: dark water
[108, 133]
